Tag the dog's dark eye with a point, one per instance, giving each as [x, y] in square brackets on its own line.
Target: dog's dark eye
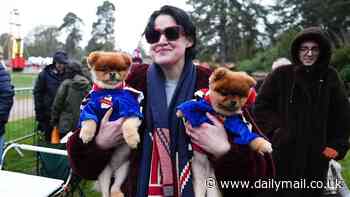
[224, 93]
[120, 69]
[101, 69]
[231, 93]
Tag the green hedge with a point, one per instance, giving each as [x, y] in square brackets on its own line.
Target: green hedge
[263, 60]
[341, 57]
[345, 73]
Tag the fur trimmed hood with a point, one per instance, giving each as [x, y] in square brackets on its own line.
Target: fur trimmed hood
[317, 35]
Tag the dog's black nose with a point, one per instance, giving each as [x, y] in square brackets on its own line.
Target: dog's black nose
[233, 103]
[112, 76]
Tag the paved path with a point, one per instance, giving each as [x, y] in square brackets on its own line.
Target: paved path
[22, 108]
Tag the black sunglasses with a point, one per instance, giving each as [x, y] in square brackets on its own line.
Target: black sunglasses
[171, 33]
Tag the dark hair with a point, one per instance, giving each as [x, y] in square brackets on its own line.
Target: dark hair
[76, 68]
[181, 18]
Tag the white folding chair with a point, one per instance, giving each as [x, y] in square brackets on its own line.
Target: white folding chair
[20, 184]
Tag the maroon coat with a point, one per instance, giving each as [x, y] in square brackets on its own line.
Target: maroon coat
[87, 160]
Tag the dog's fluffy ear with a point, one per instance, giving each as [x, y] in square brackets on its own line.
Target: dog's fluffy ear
[249, 80]
[127, 58]
[92, 58]
[218, 74]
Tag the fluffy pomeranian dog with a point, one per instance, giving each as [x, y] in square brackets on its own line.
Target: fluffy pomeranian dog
[227, 94]
[109, 70]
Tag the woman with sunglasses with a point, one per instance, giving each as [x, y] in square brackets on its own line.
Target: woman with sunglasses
[161, 164]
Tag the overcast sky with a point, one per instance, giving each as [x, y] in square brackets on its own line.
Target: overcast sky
[131, 15]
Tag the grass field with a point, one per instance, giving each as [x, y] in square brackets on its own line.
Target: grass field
[346, 169]
[20, 80]
[19, 128]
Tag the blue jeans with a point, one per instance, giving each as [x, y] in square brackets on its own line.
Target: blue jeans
[2, 143]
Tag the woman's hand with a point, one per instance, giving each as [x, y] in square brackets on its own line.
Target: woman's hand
[211, 138]
[110, 133]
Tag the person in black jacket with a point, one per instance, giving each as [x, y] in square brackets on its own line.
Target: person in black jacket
[45, 90]
[6, 102]
[304, 111]
[66, 105]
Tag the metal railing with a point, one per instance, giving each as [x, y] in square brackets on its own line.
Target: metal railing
[21, 124]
